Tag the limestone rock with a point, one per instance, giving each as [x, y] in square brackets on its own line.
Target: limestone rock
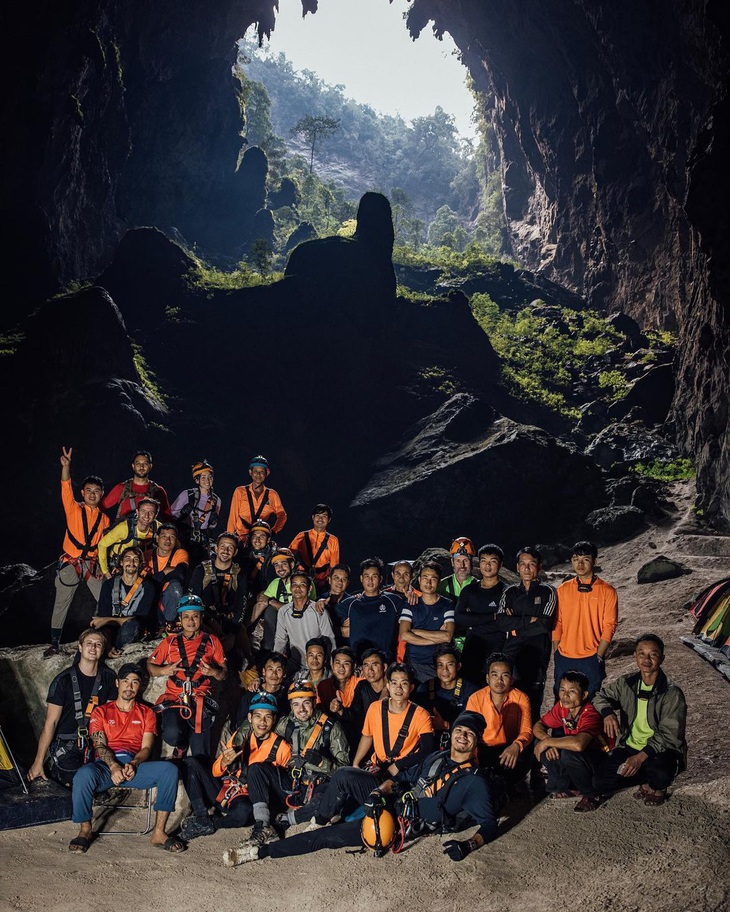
[661, 568]
[612, 524]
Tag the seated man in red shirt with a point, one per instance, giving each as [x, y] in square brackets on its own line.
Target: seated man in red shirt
[191, 661]
[123, 733]
[573, 756]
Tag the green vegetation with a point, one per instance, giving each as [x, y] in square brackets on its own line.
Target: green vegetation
[542, 358]
[615, 383]
[314, 129]
[10, 340]
[147, 376]
[440, 379]
[207, 278]
[428, 171]
[679, 469]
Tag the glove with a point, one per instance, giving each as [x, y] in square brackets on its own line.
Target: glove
[456, 849]
[375, 799]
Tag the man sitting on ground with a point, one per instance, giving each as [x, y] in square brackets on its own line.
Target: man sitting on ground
[318, 748]
[370, 688]
[575, 748]
[586, 619]
[125, 604]
[225, 788]
[318, 550]
[445, 696]
[270, 681]
[316, 656]
[123, 734]
[85, 527]
[650, 732]
[449, 790]
[72, 696]
[508, 732]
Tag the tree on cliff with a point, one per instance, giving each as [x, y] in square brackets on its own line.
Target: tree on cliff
[314, 128]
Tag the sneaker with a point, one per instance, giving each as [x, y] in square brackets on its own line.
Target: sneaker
[246, 852]
[52, 650]
[261, 834]
[192, 827]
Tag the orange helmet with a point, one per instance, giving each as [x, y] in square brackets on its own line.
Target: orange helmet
[462, 545]
[378, 831]
[304, 689]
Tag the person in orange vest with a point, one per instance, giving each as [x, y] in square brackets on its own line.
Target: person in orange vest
[255, 501]
[317, 549]
[85, 527]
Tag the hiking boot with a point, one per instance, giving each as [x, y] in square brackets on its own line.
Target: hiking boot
[193, 827]
[261, 834]
[282, 821]
[239, 856]
[52, 650]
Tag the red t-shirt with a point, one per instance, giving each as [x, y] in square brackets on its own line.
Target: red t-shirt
[124, 730]
[588, 722]
[168, 652]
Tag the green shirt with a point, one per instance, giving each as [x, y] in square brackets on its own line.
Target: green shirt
[451, 586]
[640, 733]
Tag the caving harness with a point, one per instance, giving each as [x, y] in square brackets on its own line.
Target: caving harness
[188, 702]
[304, 781]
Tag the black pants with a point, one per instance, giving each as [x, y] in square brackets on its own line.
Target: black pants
[272, 785]
[573, 770]
[348, 788]
[202, 788]
[477, 649]
[658, 772]
[489, 759]
[179, 732]
[531, 656]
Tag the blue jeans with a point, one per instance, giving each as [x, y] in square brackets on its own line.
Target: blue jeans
[590, 667]
[95, 777]
[170, 600]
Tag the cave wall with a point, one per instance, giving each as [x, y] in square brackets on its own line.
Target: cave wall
[609, 116]
[612, 120]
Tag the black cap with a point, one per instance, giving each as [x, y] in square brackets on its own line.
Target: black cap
[473, 721]
[129, 668]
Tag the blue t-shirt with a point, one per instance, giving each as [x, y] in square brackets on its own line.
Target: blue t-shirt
[373, 622]
[426, 617]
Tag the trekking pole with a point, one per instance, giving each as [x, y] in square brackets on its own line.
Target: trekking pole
[6, 744]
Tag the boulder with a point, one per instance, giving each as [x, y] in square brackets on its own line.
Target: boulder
[554, 554]
[629, 441]
[661, 568]
[612, 524]
[651, 395]
[478, 469]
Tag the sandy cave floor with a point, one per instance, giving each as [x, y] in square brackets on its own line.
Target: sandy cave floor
[625, 857]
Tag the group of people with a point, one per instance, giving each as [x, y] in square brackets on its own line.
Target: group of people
[417, 699]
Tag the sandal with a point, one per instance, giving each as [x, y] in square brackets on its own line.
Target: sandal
[654, 799]
[171, 844]
[588, 803]
[571, 794]
[641, 793]
[79, 845]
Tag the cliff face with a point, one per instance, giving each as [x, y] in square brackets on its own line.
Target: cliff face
[611, 119]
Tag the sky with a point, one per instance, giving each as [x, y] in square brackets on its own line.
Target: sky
[364, 45]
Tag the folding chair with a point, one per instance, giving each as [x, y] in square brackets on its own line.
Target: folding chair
[118, 799]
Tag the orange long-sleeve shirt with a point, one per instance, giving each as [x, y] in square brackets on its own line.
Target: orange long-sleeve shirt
[241, 517]
[510, 724]
[585, 618]
[75, 524]
[259, 752]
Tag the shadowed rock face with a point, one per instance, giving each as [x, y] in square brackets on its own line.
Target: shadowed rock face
[614, 145]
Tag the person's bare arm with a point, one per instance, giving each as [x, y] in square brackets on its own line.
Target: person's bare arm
[53, 716]
[66, 463]
[157, 671]
[106, 755]
[364, 748]
[129, 770]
